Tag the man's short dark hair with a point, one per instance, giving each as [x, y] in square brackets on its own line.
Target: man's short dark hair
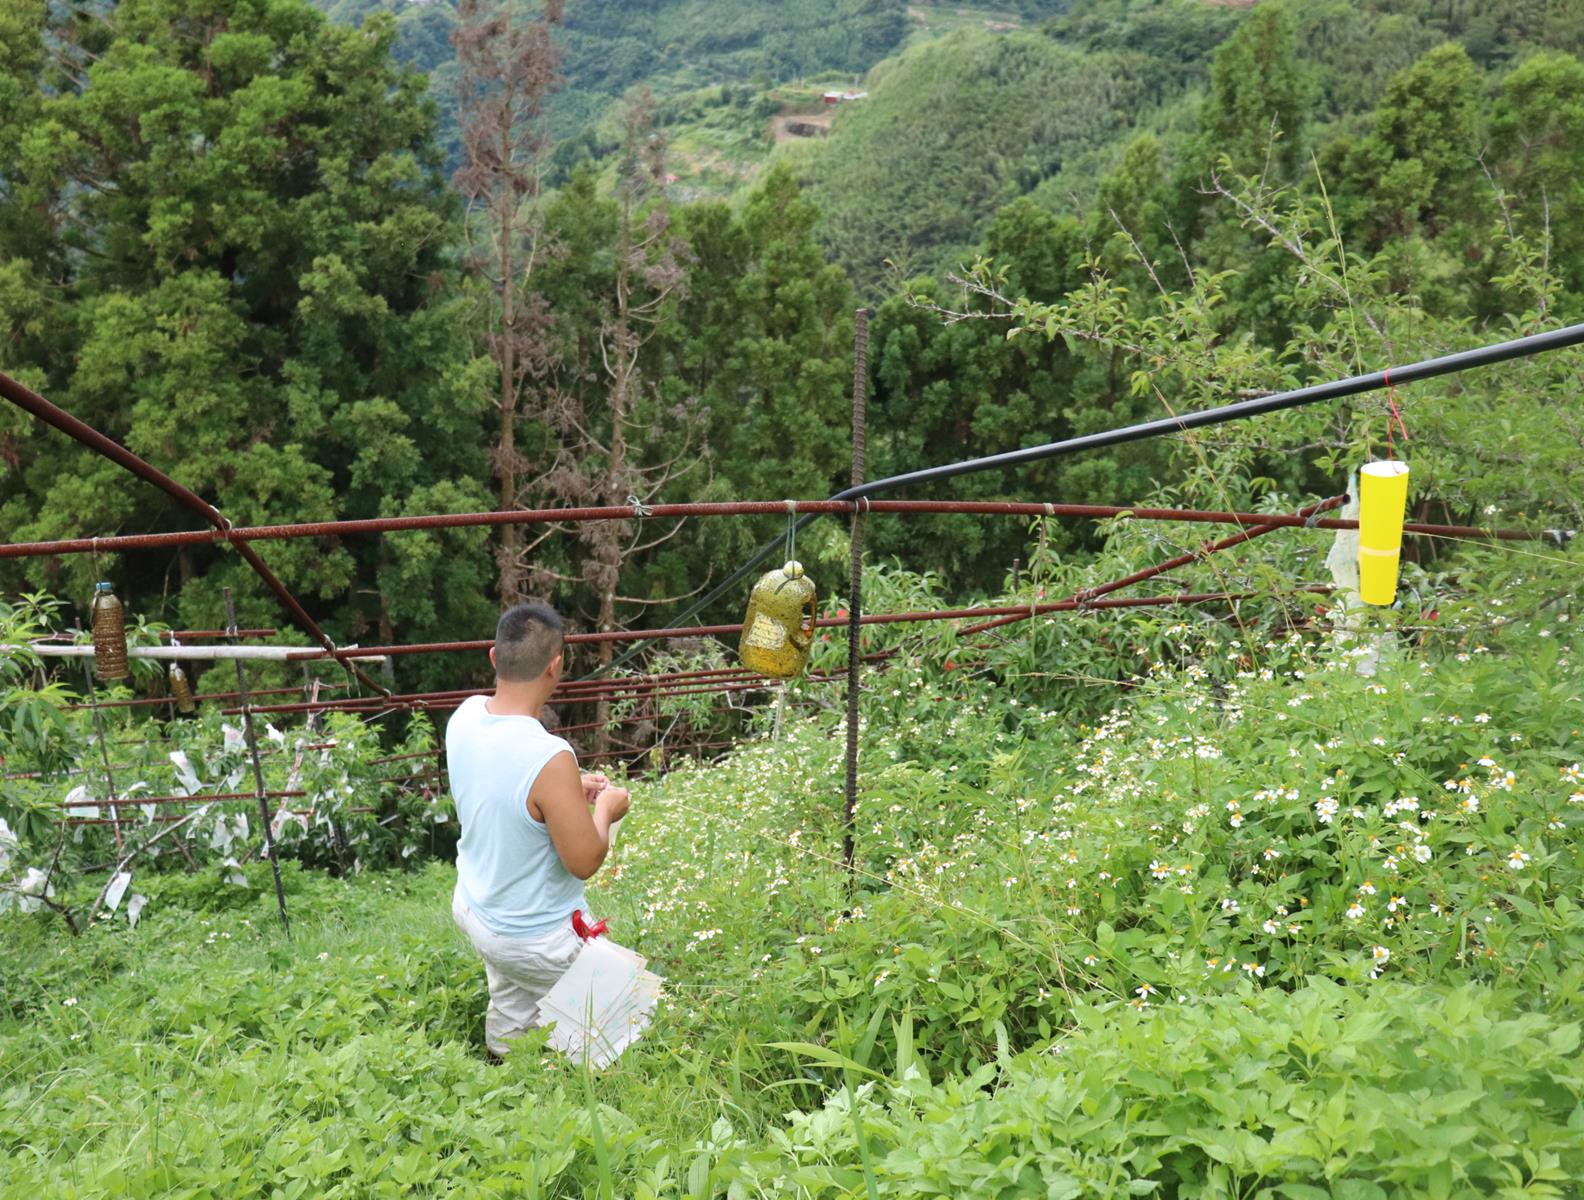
[527, 637]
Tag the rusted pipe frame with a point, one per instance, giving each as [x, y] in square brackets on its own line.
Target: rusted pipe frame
[1203, 552]
[205, 635]
[1085, 595]
[563, 730]
[216, 797]
[446, 700]
[240, 536]
[197, 798]
[1025, 612]
[155, 701]
[944, 614]
[52, 414]
[448, 694]
[180, 635]
[568, 685]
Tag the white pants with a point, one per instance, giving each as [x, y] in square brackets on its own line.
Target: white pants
[520, 970]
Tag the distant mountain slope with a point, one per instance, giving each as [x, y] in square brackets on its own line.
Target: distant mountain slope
[952, 130]
[956, 127]
[970, 105]
[609, 46]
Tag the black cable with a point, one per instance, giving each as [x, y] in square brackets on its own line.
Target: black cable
[1430, 368]
[1556, 339]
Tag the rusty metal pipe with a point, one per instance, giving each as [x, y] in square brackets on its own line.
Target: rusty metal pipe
[239, 536]
[52, 414]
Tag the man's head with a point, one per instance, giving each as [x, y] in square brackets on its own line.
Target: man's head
[527, 640]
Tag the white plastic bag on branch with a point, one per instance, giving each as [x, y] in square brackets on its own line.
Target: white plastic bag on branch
[188, 780]
[79, 803]
[8, 844]
[116, 890]
[35, 884]
[228, 830]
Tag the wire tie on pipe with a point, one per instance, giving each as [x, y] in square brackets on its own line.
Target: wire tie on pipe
[1050, 509]
[640, 509]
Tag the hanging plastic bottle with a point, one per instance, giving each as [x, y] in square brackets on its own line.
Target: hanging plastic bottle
[778, 629]
[109, 634]
[1383, 501]
[181, 689]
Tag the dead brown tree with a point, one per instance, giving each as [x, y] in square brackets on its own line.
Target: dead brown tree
[618, 443]
[508, 71]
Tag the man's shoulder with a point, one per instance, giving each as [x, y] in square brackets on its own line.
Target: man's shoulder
[465, 713]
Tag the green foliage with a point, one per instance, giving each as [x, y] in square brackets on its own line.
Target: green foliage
[1344, 305]
[951, 131]
[764, 340]
[1020, 996]
[245, 280]
[672, 46]
[1257, 94]
[1316, 1092]
[339, 799]
[1277, 899]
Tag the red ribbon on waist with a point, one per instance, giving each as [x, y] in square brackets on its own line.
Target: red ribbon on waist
[583, 929]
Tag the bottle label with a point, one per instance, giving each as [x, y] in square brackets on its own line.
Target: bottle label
[765, 634]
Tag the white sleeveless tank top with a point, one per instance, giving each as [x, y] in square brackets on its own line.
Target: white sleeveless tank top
[508, 869]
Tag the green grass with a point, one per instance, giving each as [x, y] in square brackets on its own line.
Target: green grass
[203, 1047]
[1056, 976]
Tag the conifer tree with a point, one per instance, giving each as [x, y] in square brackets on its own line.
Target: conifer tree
[225, 240]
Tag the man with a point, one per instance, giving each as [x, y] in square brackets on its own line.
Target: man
[533, 829]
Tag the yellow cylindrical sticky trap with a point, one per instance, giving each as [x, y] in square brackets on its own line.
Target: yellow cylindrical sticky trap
[1383, 499]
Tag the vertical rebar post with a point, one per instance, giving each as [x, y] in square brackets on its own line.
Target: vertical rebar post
[855, 587]
[258, 769]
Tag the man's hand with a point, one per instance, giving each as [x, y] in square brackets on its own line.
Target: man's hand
[560, 797]
[594, 782]
[612, 803]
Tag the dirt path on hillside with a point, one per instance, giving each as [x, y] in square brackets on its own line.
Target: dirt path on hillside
[779, 124]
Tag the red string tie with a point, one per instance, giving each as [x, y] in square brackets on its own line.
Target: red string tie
[1395, 418]
[584, 930]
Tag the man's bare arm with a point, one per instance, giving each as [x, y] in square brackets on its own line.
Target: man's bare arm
[581, 836]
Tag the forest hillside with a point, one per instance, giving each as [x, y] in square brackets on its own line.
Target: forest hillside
[1184, 813]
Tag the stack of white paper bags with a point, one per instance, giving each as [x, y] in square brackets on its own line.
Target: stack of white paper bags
[601, 1004]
